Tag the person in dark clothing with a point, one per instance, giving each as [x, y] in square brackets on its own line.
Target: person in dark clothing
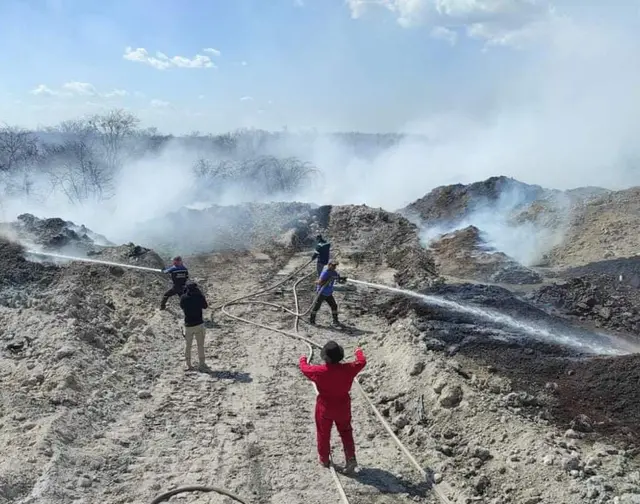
[324, 291]
[192, 303]
[333, 381]
[323, 248]
[179, 277]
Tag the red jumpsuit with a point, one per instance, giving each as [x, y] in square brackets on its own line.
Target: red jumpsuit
[333, 403]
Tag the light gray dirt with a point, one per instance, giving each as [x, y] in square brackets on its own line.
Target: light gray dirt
[117, 420]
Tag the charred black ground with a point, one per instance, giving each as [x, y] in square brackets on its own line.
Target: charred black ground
[605, 389]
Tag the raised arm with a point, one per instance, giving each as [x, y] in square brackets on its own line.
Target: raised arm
[309, 370]
[360, 362]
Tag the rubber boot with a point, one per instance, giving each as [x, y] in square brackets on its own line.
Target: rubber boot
[312, 318]
[335, 322]
[350, 466]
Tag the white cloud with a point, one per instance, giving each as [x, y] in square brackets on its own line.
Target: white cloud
[80, 88]
[442, 33]
[43, 90]
[213, 51]
[163, 62]
[497, 22]
[77, 89]
[159, 104]
[116, 93]
[246, 98]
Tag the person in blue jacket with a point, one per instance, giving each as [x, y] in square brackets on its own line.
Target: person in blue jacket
[179, 277]
[323, 248]
[324, 292]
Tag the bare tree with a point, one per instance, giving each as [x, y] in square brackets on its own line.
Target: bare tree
[17, 146]
[76, 170]
[280, 176]
[18, 156]
[263, 175]
[114, 128]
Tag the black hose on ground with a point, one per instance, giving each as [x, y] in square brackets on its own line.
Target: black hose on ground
[167, 495]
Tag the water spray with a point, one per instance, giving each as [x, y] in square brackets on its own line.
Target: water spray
[95, 261]
[603, 347]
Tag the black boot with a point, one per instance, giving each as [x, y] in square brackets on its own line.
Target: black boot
[312, 318]
[335, 322]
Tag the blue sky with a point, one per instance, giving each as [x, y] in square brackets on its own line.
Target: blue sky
[330, 64]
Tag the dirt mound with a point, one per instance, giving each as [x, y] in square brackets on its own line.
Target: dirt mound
[464, 254]
[17, 271]
[601, 299]
[600, 228]
[379, 238]
[604, 389]
[560, 386]
[54, 233]
[450, 204]
[130, 254]
[235, 227]
[547, 213]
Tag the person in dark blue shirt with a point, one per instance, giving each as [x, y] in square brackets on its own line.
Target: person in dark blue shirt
[324, 291]
[179, 277]
[192, 303]
[323, 248]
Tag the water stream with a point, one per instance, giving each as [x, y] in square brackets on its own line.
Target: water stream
[585, 341]
[96, 261]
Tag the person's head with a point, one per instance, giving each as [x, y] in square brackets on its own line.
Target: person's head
[332, 353]
[191, 287]
[332, 264]
[320, 239]
[177, 261]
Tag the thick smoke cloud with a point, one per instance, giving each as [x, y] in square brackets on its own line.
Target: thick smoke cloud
[563, 112]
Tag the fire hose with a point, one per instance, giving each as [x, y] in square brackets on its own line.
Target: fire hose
[439, 489]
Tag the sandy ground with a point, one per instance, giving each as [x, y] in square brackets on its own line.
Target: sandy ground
[126, 425]
[150, 426]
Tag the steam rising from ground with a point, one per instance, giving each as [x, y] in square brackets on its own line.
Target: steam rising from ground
[564, 113]
[526, 241]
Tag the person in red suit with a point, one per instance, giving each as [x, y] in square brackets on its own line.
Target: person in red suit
[333, 380]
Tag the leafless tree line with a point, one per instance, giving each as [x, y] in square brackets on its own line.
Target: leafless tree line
[267, 174]
[81, 158]
[81, 165]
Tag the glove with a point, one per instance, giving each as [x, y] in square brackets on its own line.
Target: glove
[314, 256]
[342, 279]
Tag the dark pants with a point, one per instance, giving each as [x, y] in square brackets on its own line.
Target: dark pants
[330, 300]
[176, 290]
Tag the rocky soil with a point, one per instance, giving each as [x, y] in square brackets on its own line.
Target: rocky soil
[52, 234]
[448, 205]
[504, 397]
[464, 254]
[600, 229]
